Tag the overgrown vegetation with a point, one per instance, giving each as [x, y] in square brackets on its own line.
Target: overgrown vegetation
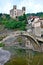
[10, 23]
[2, 44]
[19, 24]
[39, 14]
[15, 25]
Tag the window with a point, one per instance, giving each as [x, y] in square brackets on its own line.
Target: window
[15, 12]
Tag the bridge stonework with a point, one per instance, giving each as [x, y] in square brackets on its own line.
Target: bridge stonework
[27, 35]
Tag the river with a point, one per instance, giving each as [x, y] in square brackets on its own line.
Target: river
[4, 56]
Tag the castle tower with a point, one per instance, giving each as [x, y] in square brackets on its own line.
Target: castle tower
[14, 11]
[14, 7]
[23, 9]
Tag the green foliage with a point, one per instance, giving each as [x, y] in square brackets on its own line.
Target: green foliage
[20, 18]
[1, 44]
[10, 23]
[40, 14]
[13, 24]
[4, 17]
[23, 18]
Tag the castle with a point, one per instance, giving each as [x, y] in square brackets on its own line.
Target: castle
[14, 13]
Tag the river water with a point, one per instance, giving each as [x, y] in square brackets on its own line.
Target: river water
[20, 52]
[4, 56]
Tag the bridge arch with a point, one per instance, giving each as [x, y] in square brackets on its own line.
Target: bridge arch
[24, 34]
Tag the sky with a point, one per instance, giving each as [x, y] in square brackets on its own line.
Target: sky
[32, 6]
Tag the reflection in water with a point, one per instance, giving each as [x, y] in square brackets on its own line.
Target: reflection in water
[18, 56]
[19, 51]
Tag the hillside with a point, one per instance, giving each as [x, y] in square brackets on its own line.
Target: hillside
[39, 14]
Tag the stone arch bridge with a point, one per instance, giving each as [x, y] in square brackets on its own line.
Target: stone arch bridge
[9, 39]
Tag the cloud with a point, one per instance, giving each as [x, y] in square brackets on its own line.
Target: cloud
[31, 5]
[5, 6]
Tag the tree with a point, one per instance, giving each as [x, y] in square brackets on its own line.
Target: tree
[20, 18]
[13, 24]
[25, 18]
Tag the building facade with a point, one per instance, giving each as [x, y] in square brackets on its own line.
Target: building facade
[14, 13]
[35, 24]
[38, 26]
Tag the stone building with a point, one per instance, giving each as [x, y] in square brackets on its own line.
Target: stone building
[38, 27]
[14, 13]
[35, 25]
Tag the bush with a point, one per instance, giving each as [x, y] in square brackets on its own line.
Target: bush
[1, 44]
[15, 25]
[10, 23]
